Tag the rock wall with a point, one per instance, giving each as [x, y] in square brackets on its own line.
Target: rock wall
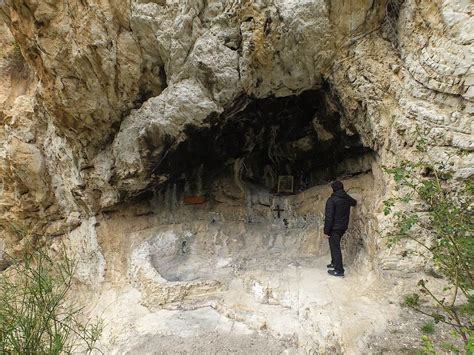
[95, 95]
[109, 89]
[267, 276]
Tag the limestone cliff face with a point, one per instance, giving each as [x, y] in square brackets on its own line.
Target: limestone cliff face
[103, 102]
[109, 88]
[111, 111]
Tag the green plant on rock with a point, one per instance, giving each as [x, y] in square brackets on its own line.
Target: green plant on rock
[436, 214]
[428, 328]
[15, 46]
[35, 314]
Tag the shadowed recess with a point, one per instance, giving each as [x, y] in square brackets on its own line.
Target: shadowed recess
[297, 135]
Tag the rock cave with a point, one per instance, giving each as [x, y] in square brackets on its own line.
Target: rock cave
[248, 147]
[299, 135]
[181, 152]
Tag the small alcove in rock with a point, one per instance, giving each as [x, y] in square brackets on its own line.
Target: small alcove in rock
[235, 162]
[262, 139]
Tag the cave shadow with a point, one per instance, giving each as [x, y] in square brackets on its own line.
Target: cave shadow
[261, 139]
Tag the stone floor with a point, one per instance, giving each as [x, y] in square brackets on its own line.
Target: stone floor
[234, 277]
[265, 307]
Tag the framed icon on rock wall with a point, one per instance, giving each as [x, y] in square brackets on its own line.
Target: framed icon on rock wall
[285, 184]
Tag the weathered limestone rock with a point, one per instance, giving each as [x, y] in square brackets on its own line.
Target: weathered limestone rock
[264, 276]
[142, 138]
[88, 62]
[107, 102]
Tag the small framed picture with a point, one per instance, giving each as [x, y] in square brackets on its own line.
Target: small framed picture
[194, 200]
[285, 183]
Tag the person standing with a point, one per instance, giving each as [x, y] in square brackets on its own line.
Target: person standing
[337, 213]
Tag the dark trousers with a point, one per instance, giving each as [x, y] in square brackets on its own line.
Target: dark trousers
[335, 246]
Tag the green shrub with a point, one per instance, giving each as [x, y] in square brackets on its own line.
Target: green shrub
[442, 228]
[428, 328]
[411, 300]
[35, 314]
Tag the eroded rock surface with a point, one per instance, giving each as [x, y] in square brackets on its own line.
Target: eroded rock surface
[208, 272]
[109, 105]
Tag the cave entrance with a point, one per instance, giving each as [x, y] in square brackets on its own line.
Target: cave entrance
[262, 139]
[234, 162]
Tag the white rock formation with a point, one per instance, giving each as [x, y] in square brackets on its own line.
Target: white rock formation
[107, 106]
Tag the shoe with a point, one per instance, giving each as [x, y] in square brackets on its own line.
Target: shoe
[330, 266]
[335, 273]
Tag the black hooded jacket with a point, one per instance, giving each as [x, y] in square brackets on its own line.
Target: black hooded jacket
[338, 209]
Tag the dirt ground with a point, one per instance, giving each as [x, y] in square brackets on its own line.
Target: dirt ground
[403, 336]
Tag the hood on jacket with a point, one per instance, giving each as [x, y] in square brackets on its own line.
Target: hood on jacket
[341, 194]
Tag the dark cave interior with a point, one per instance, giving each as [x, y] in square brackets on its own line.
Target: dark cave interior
[297, 135]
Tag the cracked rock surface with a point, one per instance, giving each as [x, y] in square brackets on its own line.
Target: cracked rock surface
[114, 113]
[204, 279]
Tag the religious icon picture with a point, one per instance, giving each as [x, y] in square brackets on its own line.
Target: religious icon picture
[285, 184]
[194, 200]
